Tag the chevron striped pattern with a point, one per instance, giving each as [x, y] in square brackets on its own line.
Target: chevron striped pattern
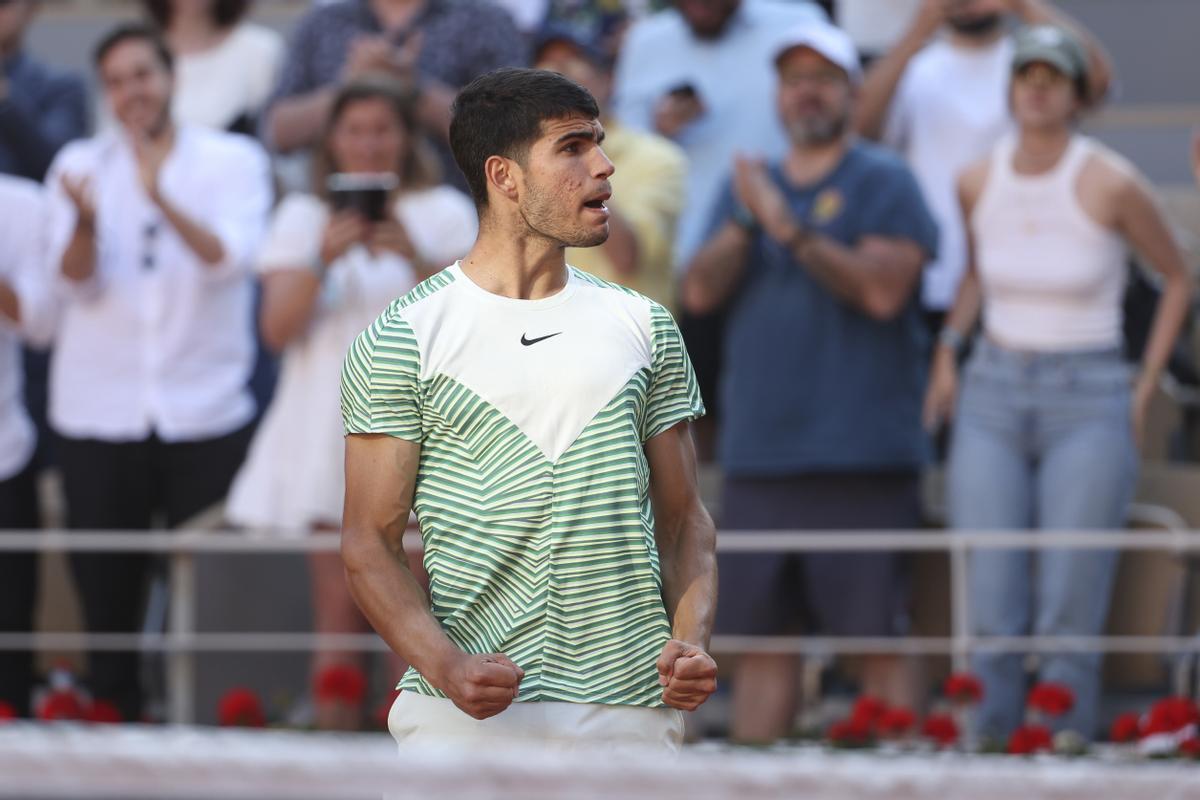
[552, 563]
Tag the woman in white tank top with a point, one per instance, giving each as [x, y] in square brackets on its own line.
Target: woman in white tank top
[1050, 414]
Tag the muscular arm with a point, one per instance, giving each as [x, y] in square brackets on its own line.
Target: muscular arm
[715, 271]
[686, 541]
[685, 535]
[381, 474]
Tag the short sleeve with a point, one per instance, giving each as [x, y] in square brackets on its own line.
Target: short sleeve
[897, 209]
[380, 383]
[294, 238]
[674, 395]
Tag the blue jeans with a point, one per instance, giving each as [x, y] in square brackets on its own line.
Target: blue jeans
[1041, 441]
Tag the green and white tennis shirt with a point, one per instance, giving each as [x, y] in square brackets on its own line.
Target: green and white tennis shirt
[532, 492]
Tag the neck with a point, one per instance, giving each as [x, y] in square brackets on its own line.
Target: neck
[1039, 149]
[527, 267]
[808, 163]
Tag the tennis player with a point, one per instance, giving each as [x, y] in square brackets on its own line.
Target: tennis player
[536, 419]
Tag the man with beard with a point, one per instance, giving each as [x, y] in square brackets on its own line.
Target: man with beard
[822, 254]
[700, 74]
[944, 105]
[535, 418]
[152, 227]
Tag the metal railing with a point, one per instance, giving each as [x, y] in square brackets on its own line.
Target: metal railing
[182, 641]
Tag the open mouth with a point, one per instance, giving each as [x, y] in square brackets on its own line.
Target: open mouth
[597, 202]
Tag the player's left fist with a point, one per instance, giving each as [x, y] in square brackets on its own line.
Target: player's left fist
[688, 675]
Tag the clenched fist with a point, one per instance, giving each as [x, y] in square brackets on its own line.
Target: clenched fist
[483, 685]
[688, 675]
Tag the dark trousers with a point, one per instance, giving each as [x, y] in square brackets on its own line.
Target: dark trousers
[18, 588]
[134, 486]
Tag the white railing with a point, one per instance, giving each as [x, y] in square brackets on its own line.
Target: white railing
[181, 640]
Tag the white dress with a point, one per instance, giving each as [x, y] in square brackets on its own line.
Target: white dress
[292, 478]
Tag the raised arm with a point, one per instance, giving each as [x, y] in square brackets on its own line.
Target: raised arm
[881, 81]
[686, 541]
[381, 473]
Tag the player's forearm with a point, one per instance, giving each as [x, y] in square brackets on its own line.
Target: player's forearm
[689, 570]
[395, 604]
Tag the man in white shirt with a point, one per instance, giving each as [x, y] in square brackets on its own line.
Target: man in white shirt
[22, 307]
[944, 104]
[152, 230]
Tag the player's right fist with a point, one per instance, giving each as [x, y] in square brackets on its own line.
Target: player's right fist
[483, 685]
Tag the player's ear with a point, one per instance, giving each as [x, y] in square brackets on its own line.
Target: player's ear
[503, 176]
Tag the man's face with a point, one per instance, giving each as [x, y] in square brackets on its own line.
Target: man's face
[138, 86]
[14, 18]
[707, 18]
[978, 18]
[815, 97]
[566, 59]
[564, 183]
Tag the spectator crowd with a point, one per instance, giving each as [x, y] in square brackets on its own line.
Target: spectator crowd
[862, 256]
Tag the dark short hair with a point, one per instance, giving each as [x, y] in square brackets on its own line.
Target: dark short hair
[224, 13]
[501, 114]
[134, 32]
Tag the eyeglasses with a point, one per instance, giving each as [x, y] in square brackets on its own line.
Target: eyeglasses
[149, 239]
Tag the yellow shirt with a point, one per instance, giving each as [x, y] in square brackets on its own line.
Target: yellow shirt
[648, 193]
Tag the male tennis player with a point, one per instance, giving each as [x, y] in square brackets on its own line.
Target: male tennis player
[535, 417]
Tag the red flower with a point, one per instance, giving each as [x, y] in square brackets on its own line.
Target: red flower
[850, 732]
[1170, 715]
[941, 728]
[963, 687]
[102, 711]
[1053, 699]
[240, 708]
[340, 683]
[895, 722]
[868, 710]
[1125, 728]
[1029, 739]
[61, 705]
[1190, 748]
[7, 712]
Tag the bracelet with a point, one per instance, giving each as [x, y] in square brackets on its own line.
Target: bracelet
[952, 339]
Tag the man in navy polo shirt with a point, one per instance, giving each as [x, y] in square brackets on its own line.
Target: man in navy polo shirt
[821, 255]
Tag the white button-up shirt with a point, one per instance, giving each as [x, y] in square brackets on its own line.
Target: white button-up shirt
[21, 239]
[734, 77]
[157, 341]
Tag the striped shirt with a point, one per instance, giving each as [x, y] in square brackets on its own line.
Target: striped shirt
[532, 492]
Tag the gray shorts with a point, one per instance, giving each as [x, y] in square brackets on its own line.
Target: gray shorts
[839, 594]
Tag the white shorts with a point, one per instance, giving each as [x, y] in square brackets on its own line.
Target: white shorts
[421, 720]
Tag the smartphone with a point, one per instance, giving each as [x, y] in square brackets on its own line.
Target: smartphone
[363, 192]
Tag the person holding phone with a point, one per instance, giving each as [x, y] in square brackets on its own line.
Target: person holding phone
[375, 225]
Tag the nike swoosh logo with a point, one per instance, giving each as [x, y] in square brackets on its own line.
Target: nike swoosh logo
[528, 342]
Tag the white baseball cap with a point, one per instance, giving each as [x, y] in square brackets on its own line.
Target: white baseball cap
[827, 40]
